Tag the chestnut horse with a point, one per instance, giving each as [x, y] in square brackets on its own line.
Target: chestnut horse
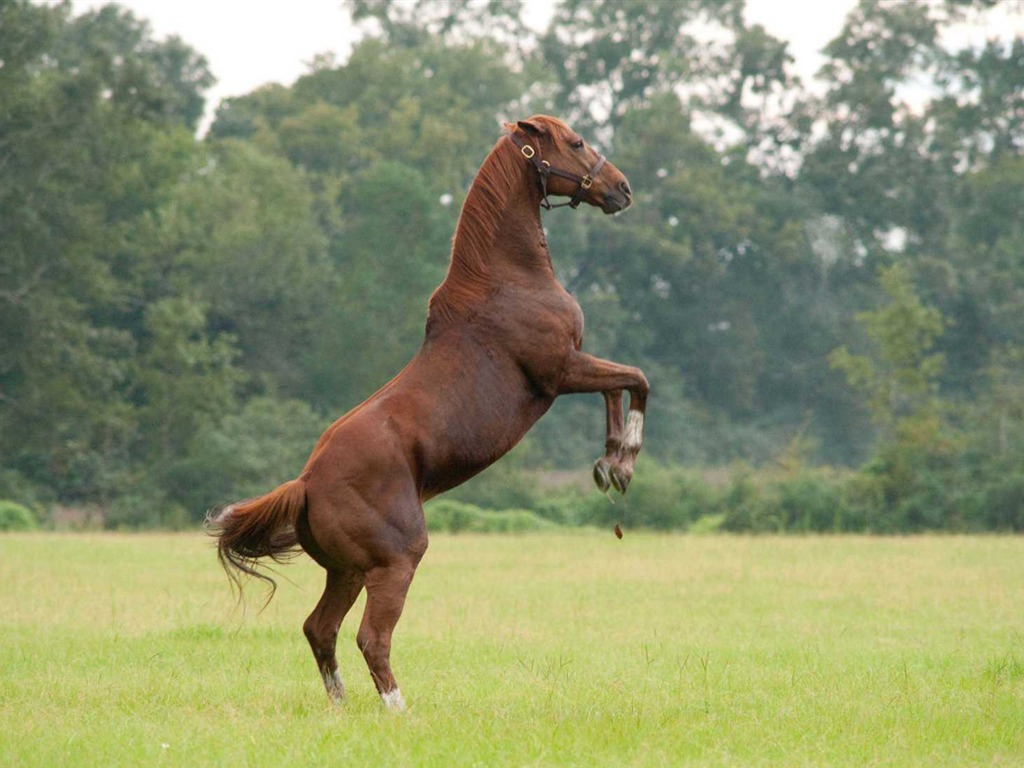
[502, 342]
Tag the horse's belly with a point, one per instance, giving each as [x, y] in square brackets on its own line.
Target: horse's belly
[476, 435]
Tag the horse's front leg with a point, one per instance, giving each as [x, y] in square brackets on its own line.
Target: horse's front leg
[586, 373]
[614, 428]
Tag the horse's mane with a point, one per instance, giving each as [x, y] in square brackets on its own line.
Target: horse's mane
[477, 230]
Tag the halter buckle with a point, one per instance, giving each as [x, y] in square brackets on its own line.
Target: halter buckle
[586, 182]
[527, 151]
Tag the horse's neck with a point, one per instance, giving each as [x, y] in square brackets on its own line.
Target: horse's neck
[499, 238]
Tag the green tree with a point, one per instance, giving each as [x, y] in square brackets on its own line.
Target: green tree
[156, 81]
[241, 234]
[413, 24]
[186, 377]
[978, 120]
[389, 256]
[872, 166]
[238, 454]
[90, 144]
[899, 381]
[915, 462]
[610, 58]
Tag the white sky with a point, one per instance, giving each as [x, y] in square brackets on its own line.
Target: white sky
[251, 42]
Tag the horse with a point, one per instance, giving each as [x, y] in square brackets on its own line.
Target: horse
[503, 339]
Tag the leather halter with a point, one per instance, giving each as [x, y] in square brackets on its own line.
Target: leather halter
[545, 170]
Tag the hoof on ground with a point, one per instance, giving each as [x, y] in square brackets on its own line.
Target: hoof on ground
[393, 701]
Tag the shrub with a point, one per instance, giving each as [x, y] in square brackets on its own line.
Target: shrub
[812, 502]
[708, 524]
[562, 507]
[505, 485]
[1002, 504]
[16, 517]
[864, 499]
[744, 508]
[16, 487]
[809, 501]
[660, 498]
[452, 516]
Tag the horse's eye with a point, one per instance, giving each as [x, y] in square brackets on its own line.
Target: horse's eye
[577, 144]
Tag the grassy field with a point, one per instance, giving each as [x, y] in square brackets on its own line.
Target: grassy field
[532, 650]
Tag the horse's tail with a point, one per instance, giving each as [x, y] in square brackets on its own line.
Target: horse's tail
[250, 530]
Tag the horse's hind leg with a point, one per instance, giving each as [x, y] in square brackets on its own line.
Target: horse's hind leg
[321, 628]
[386, 588]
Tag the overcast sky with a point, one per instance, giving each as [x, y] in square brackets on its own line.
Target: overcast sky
[252, 42]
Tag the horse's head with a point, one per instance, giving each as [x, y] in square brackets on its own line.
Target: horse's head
[568, 166]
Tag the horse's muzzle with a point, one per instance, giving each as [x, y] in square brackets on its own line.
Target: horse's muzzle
[619, 200]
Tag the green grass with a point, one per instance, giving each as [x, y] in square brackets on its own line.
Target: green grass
[545, 649]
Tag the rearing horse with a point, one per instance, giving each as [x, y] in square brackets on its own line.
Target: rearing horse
[502, 341]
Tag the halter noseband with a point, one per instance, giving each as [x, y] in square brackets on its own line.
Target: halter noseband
[545, 170]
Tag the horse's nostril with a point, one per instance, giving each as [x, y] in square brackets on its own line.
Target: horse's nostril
[624, 186]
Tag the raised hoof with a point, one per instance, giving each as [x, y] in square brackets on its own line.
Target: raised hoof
[601, 477]
[620, 479]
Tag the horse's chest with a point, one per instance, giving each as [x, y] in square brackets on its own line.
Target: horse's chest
[546, 318]
[539, 336]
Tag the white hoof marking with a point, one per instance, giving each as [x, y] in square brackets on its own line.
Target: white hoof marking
[634, 436]
[393, 700]
[334, 685]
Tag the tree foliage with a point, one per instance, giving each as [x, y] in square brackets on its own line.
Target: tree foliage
[900, 377]
[179, 316]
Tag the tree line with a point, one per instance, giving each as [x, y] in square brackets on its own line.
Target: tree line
[823, 284]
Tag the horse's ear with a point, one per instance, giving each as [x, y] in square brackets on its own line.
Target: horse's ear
[532, 127]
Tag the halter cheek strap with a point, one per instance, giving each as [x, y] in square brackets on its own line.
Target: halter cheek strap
[545, 170]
